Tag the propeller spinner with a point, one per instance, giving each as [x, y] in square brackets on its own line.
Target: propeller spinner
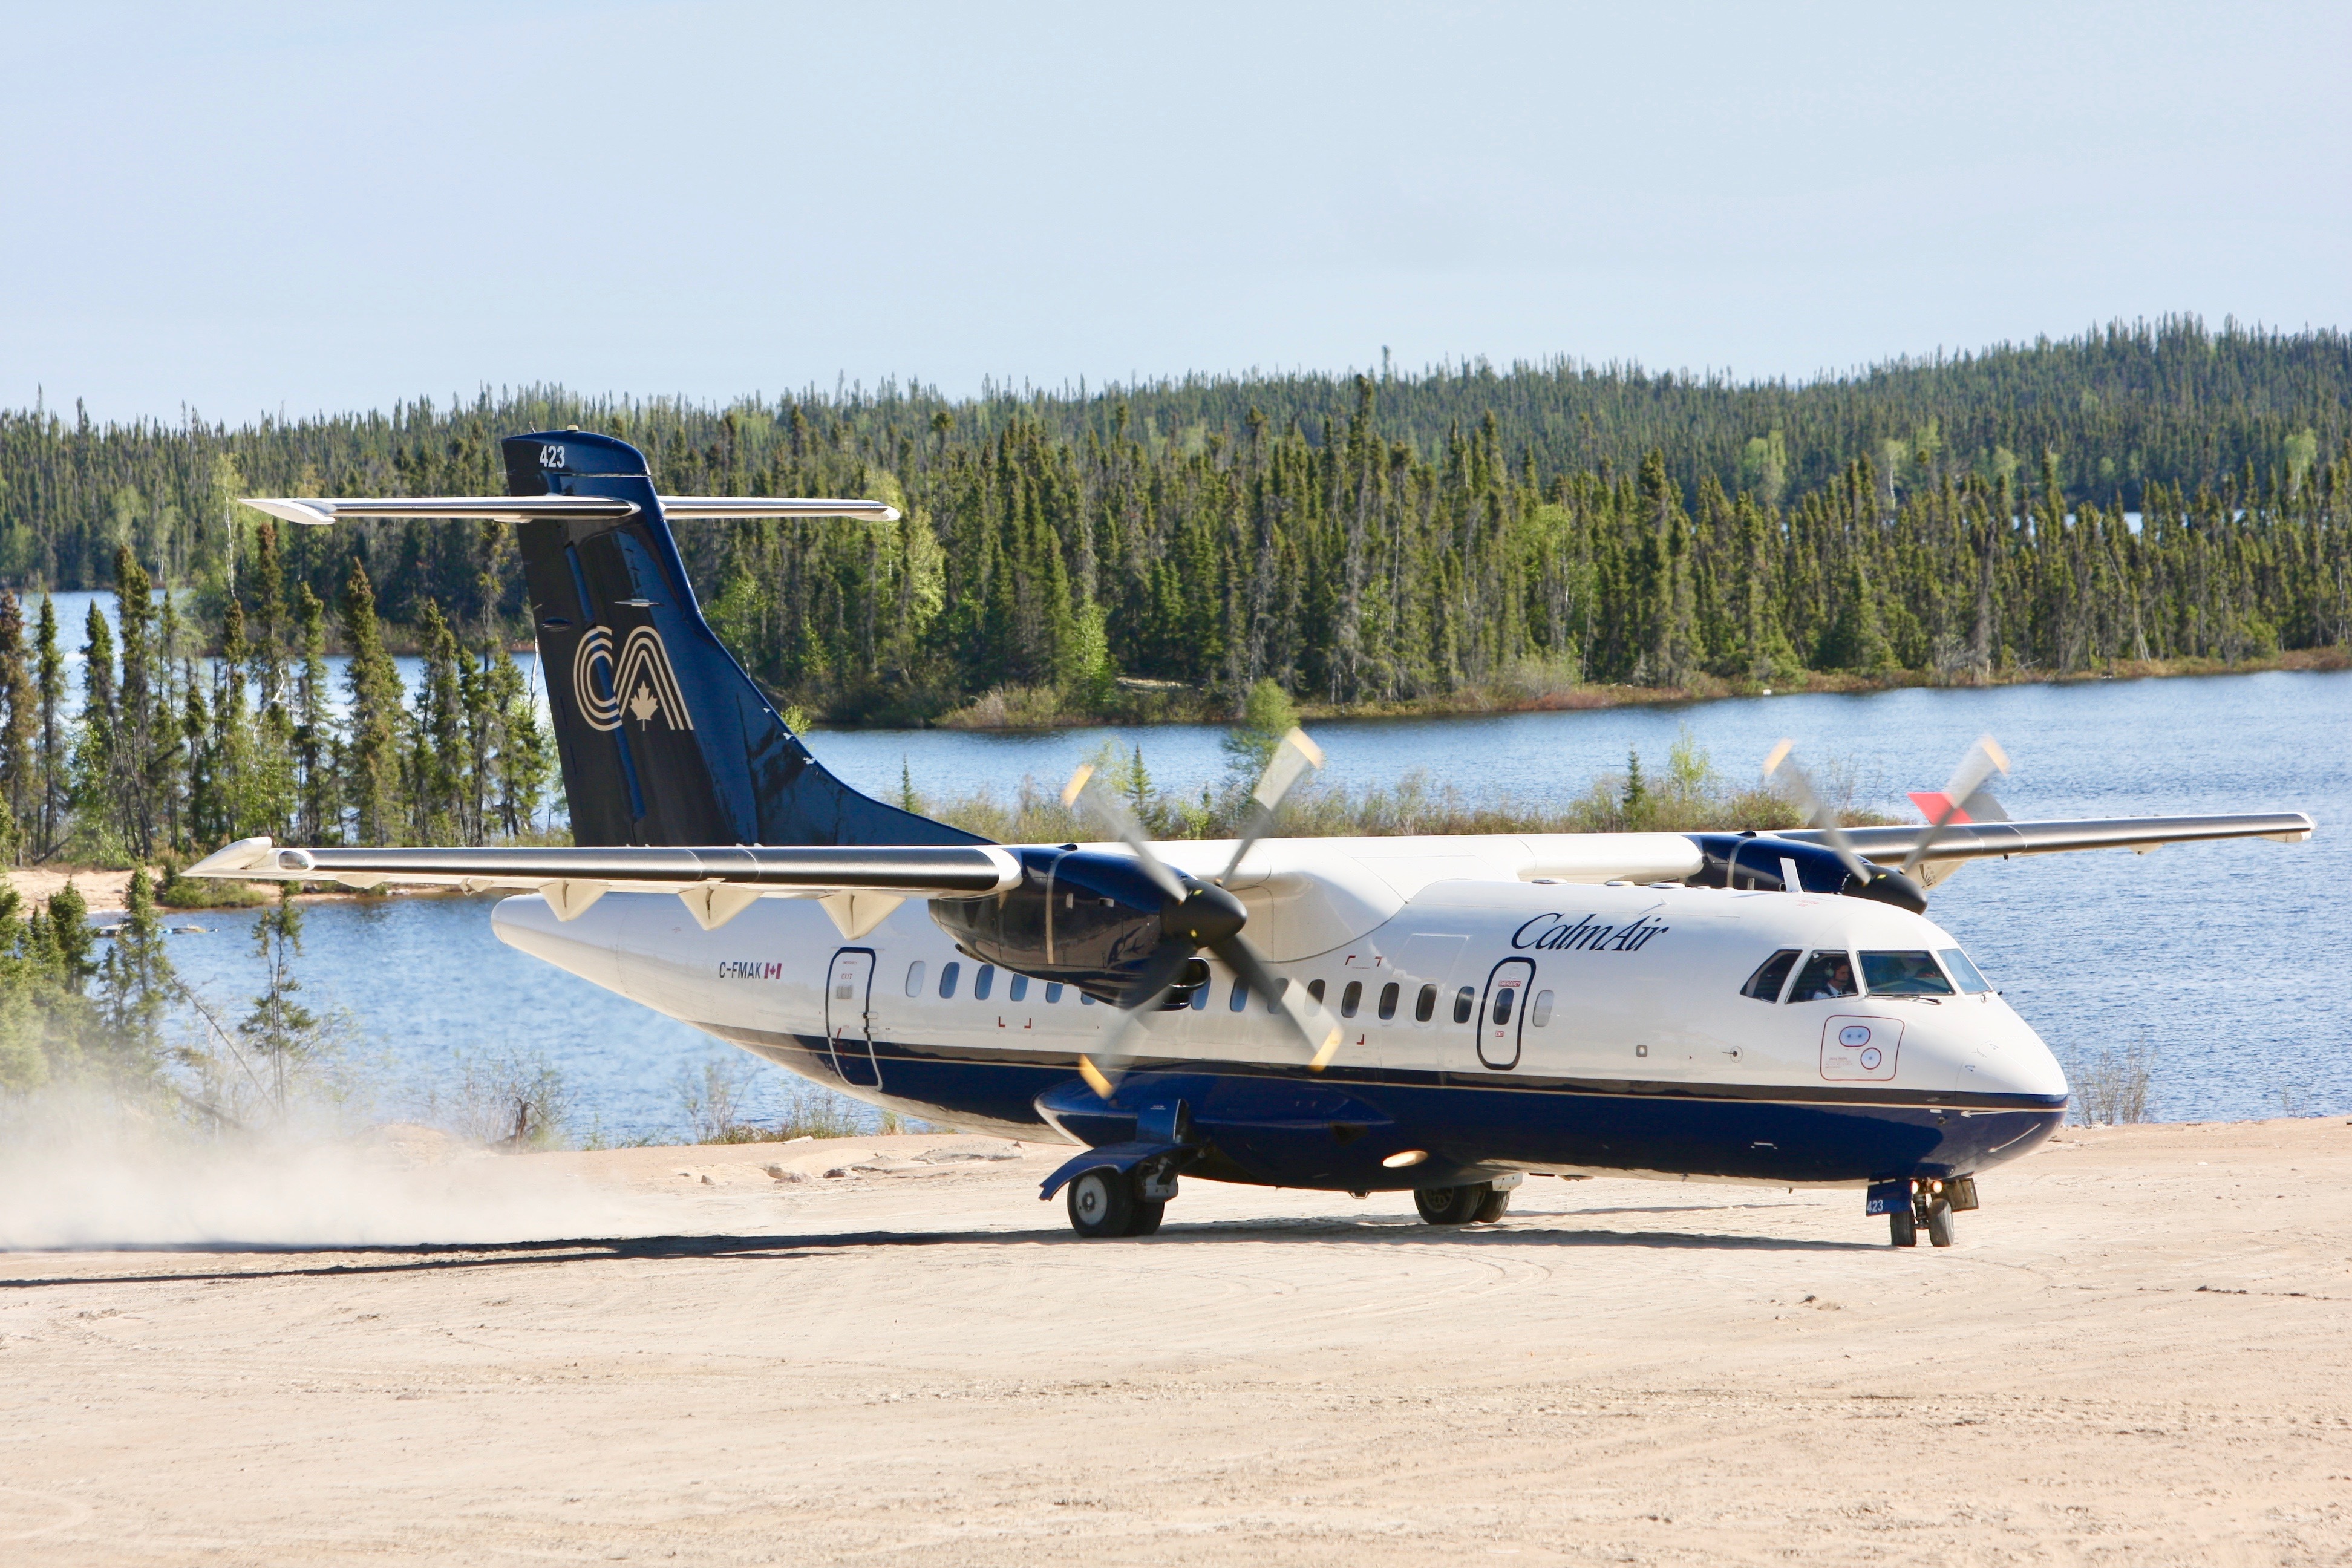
[1202, 915]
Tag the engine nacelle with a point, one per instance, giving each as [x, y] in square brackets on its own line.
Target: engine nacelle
[1747, 860]
[1081, 917]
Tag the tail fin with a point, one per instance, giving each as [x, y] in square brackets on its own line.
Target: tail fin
[663, 739]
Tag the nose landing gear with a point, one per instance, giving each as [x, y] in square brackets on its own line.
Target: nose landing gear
[1934, 1201]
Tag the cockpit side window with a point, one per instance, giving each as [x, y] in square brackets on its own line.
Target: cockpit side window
[1770, 975]
[1903, 974]
[1825, 975]
[1969, 978]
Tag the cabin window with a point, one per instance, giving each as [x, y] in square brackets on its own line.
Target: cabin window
[1539, 1010]
[1017, 989]
[1352, 998]
[1424, 1006]
[983, 982]
[948, 973]
[1315, 989]
[1770, 975]
[1198, 999]
[1503, 1000]
[1968, 976]
[1903, 974]
[915, 978]
[1052, 992]
[1239, 998]
[1084, 1000]
[1465, 1001]
[1825, 975]
[1388, 1001]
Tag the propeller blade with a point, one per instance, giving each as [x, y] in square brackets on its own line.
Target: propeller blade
[1982, 760]
[1136, 1005]
[1086, 791]
[1317, 1030]
[1294, 758]
[1780, 765]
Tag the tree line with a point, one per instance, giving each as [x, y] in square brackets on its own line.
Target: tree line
[2144, 492]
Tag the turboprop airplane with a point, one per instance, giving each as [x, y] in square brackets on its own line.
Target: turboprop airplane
[1443, 1014]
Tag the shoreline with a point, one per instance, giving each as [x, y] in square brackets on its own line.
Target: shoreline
[1195, 710]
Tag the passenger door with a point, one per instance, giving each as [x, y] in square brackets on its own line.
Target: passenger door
[1502, 1012]
[849, 1018]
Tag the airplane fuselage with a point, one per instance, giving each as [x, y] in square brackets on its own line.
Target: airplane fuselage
[1489, 1026]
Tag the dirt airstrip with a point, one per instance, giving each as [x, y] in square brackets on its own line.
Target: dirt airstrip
[2140, 1353]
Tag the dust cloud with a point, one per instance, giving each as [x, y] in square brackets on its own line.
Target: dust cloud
[73, 1176]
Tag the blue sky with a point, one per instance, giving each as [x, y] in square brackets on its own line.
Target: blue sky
[238, 208]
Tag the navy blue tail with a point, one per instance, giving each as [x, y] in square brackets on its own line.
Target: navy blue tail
[663, 739]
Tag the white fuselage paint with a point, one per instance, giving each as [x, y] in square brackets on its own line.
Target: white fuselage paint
[1661, 1009]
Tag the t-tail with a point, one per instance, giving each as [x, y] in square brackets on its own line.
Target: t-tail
[663, 739]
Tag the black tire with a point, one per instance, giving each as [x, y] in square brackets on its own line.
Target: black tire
[1939, 1223]
[1902, 1228]
[1493, 1206]
[1101, 1204]
[1147, 1217]
[1452, 1205]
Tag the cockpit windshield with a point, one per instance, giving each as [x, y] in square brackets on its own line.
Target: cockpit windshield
[1903, 974]
[1970, 977]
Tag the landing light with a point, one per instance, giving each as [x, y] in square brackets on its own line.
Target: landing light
[1409, 1157]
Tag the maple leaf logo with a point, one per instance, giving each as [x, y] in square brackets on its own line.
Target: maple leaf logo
[644, 705]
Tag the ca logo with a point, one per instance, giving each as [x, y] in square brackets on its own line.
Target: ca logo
[640, 684]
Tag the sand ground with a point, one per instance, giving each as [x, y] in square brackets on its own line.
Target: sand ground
[2140, 1353]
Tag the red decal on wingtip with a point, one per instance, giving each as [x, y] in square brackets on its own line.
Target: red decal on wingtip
[1933, 804]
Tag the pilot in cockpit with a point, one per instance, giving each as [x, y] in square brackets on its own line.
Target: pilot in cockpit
[1826, 974]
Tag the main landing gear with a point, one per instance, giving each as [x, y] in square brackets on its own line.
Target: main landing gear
[1933, 1205]
[1480, 1203]
[1108, 1202]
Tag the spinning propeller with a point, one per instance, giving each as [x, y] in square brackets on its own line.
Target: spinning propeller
[1200, 915]
[1963, 799]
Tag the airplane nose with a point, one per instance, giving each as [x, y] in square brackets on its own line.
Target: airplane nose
[2011, 1059]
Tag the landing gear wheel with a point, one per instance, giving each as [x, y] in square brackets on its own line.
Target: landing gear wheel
[1102, 1204]
[1939, 1223]
[1902, 1228]
[1492, 1206]
[1147, 1217]
[1454, 1205]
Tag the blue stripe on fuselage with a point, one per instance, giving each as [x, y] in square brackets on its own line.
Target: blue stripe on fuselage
[1279, 1125]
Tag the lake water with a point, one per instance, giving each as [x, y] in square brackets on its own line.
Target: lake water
[2234, 961]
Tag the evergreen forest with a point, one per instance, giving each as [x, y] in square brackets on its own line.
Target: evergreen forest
[2140, 495]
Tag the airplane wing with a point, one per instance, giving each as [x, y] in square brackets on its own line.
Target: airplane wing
[858, 885]
[1957, 841]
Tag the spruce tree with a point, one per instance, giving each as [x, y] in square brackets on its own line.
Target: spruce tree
[96, 800]
[316, 810]
[55, 765]
[371, 757]
[136, 983]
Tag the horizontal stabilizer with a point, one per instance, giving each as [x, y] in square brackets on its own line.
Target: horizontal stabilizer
[317, 511]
